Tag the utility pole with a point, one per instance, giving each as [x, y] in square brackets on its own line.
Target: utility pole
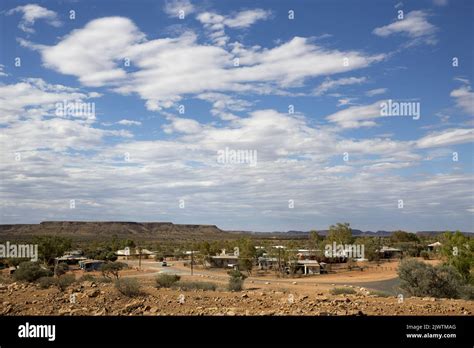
[192, 262]
[279, 263]
[139, 258]
[55, 267]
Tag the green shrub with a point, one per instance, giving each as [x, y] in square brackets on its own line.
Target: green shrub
[87, 278]
[46, 282]
[206, 286]
[61, 268]
[15, 261]
[425, 255]
[61, 282]
[420, 279]
[166, 280]
[236, 280]
[30, 271]
[5, 280]
[129, 287]
[467, 292]
[64, 281]
[235, 284]
[342, 291]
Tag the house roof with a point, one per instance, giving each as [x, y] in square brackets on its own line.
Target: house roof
[74, 252]
[135, 252]
[384, 248]
[85, 262]
[233, 257]
[308, 262]
[70, 257]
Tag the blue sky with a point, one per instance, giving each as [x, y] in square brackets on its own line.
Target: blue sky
[213, 76]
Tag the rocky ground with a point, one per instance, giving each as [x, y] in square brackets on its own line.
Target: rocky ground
[94, 298]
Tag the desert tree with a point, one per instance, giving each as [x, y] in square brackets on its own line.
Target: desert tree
[50, 247]
[458, 250]
[112, 269]
[341, 233]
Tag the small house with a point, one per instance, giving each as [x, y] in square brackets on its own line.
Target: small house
[265, 263]
[91, 265]
[224, 261]
[434, 246]
[70, 259]
[389, 252]
[308, 267]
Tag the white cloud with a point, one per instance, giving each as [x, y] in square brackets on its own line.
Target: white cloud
[383, 166]
[166, 70]
[54, 134]
[414, 25]
[377, 91]
[216, 23]
[245, 19]
[295, 159]
[329, 84]
[224, 105]
[31, 13]
[345, 101]
[30, 121]
[357, 116]
[95, 53]
[464, 97]
[173, 8]
[182, 125]
[2, 72]
[35, 98]
[129, 123]
[446, 138]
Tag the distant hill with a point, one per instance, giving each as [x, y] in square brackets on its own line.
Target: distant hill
[160, 231]
[355, 232]
[99, 230]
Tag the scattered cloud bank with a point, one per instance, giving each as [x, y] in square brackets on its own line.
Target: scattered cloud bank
[32, 13]
[313, 159]
[414, 25]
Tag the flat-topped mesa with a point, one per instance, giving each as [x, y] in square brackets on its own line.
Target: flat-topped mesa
[55, 223]
[196, 226]
[10, 226]
[103, 230]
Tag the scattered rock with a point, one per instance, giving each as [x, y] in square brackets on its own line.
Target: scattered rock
[132, 305]
[88, 284]
[92, 293]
